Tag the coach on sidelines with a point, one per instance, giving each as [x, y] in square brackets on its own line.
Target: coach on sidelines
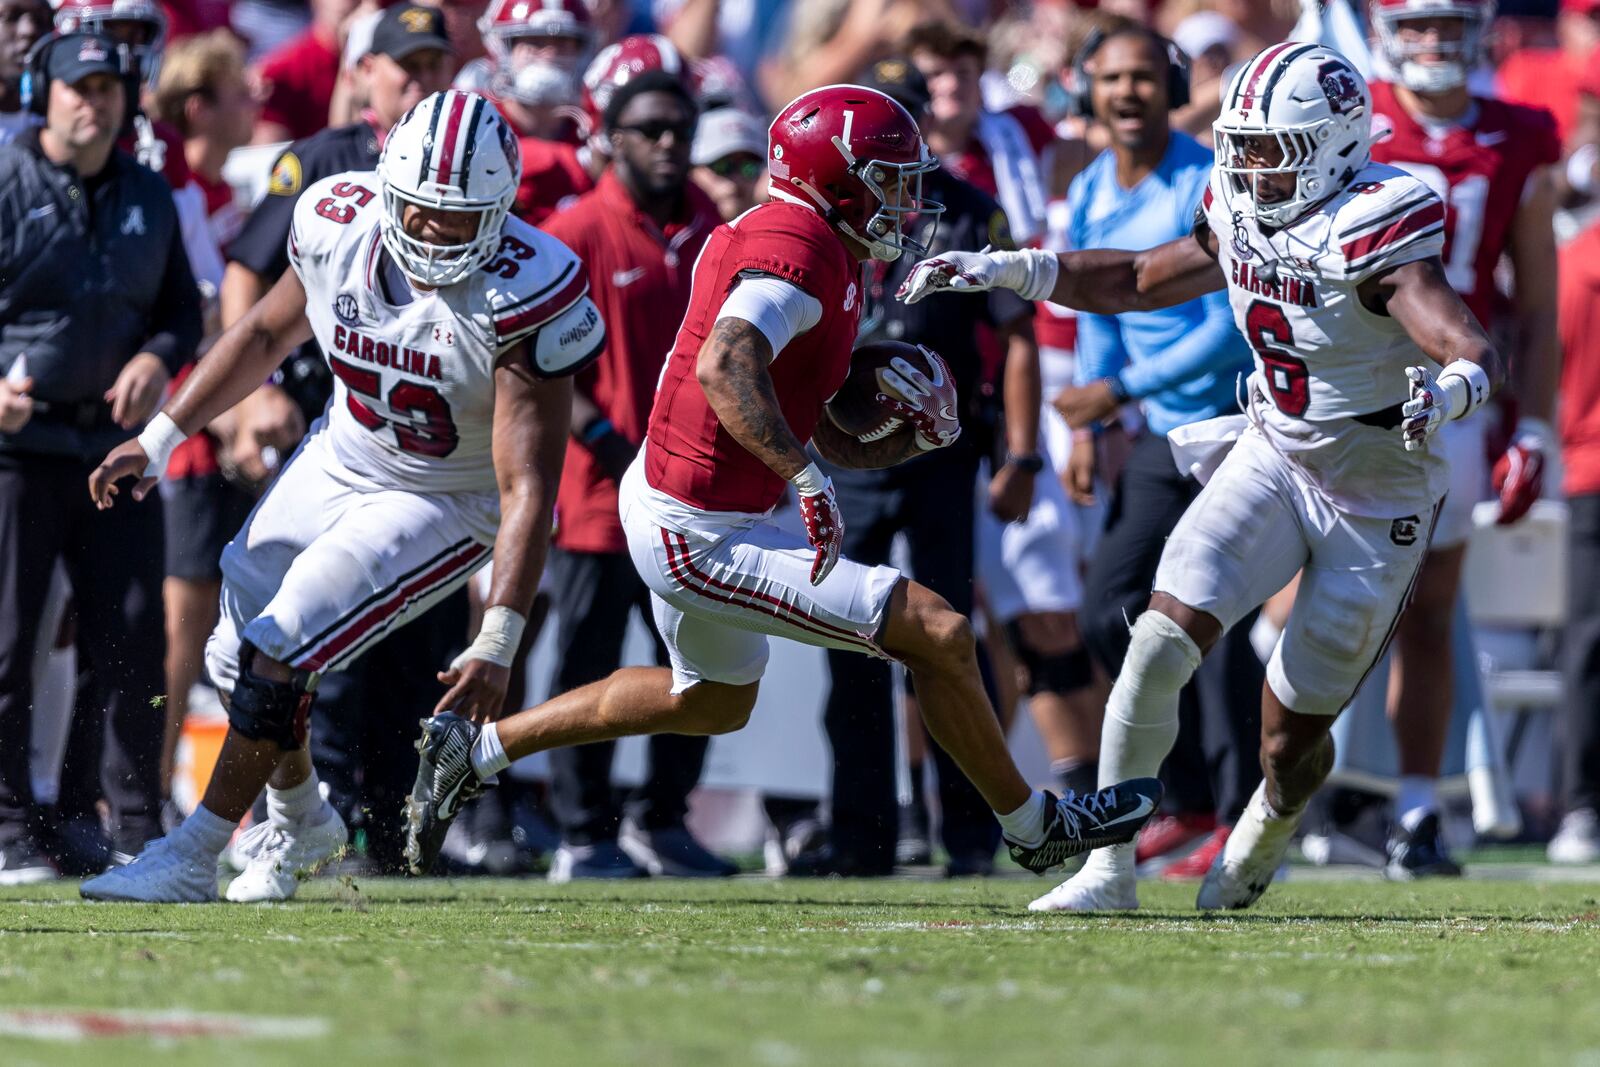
[97, 308]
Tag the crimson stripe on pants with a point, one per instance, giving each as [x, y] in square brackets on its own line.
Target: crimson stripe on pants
[685, 572]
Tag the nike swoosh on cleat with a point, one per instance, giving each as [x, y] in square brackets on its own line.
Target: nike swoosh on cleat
[1145, 808]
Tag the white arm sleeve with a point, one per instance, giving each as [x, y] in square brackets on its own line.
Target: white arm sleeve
[781, 310]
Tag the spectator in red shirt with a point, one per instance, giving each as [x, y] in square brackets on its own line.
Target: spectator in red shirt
[1552, 78]
[300, 76]
[1578, 840]
[638, 234]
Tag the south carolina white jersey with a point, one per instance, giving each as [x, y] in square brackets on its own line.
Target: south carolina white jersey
[413, 401]
[1322, 358]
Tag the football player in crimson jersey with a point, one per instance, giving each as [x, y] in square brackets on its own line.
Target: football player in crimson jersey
[773, 312]
[1332, 267]
[452, 331]
[1489, 161]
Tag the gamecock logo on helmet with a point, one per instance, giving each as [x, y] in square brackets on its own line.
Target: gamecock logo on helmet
[1339, 85]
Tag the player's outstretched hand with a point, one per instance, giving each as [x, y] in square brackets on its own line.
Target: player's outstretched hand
[958, 271]
[819, 511]
[477, 689]
[127, 460]
[1425, 412]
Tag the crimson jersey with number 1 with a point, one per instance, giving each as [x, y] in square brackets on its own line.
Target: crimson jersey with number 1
[413, 402]
[688, 454]
[1480, 170]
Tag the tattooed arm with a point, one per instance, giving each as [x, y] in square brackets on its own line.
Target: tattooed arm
[843, 450]
[732, 369]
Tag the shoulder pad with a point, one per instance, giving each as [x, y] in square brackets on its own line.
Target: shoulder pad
[328, 209]
[1383, 218]
[533, 280]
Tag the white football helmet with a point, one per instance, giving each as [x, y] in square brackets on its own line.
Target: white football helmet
[451, 152]
[1460, 56]
[96, 16]
[1311, 103]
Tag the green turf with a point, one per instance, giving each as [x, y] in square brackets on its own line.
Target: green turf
[835, 973]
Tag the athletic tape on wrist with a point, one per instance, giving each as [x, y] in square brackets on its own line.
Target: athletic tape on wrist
[497, 638]
[1465, 385]
[1031, 272]
[810, 481]
[159, 440]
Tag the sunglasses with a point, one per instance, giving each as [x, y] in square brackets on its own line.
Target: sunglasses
[745, 168]
[659, 128]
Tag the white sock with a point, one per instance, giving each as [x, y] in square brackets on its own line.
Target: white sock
[488, 755]
[1025, 826]
[295, 804]
[1259, 821]
[205, 831]
[1415, 799]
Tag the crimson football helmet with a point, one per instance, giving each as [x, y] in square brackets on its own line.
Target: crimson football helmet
[548, 79]
[1457, 56]
[143, 29]
[621, 62]
[856, 157]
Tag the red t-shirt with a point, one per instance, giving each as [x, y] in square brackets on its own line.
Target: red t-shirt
[1547, 78]
[1480, 172]
[1579, 319]
[688, 455]
[301, 75]
[188, 17]
[553, 178]
[639, 276]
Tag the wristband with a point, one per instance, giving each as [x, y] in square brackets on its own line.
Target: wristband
[1029, 462]
[497, 638]
[810, 481]
[1119, 392]
[596, 429]
[160, 437]
[1032, 272]
[1466, 387]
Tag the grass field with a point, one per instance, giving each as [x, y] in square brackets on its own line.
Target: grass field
[766, 973]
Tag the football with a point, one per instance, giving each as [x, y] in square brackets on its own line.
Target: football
[855, 408]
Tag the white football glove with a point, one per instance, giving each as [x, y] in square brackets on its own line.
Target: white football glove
[1425, 412]
[1031, 272]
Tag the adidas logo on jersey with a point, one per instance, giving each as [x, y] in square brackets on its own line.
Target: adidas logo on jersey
[384, 354]
[1301, 293]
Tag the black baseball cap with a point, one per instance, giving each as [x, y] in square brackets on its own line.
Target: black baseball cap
[407, 28]
[897, 78]
[75, 56]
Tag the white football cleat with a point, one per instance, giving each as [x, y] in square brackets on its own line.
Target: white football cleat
[166, 872]
[1098, 886]
[285, 854]
[1250, 860]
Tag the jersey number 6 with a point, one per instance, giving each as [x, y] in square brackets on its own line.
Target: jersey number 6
[1287, 376]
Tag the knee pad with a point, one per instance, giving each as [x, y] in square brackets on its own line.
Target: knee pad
[1160, 654]
[1051, 672]
[264, 710]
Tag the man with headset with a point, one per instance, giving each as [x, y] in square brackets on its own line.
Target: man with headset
[97, 307]
[1178, 364]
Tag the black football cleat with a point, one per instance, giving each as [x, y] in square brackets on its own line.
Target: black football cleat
[445, 781]
[1076, 824]
[1419, 853]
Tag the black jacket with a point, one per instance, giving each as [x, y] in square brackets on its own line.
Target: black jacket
[91, 274]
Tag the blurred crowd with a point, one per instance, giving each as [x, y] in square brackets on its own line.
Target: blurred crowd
[243, 103]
